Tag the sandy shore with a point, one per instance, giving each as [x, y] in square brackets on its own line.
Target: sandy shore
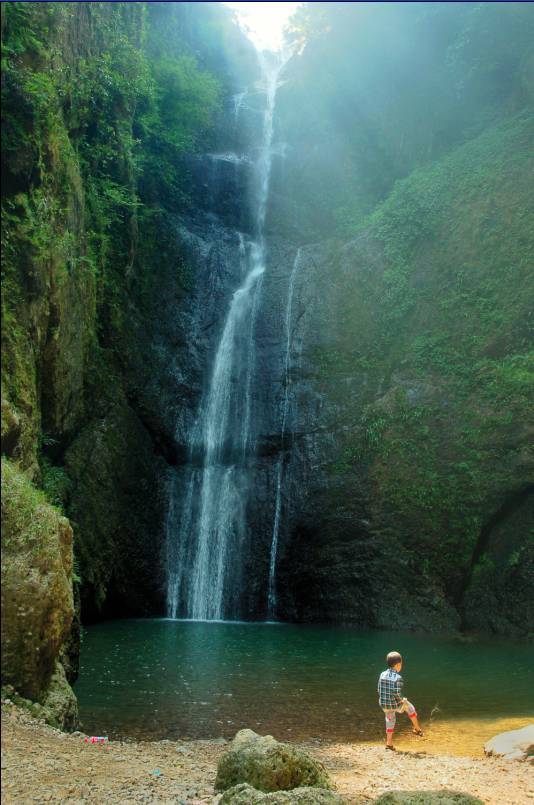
[40, 764]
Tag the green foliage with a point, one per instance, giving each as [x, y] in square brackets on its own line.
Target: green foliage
[514, 559]
[20, 34]
[27, 517]
[430, 476]
[55, 482]
[94, 142]
[483, 571]
[115, 115]
[444, 305]
[468, 273]
[186, 99]
[509, 382]
[77, 579]
[394, 87]
[179, 118]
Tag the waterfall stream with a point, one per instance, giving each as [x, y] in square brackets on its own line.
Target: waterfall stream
[271, 595]
[204, 557]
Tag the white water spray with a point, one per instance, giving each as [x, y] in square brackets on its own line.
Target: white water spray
[271, 595]
[206, 585]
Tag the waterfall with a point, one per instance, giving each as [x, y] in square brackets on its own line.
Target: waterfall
[271, 595]
[175, 548]
[204, 572]
[238, 100]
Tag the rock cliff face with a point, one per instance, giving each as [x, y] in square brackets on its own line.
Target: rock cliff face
[396, 451]
[368, 536]
[392, 389]
[37, 597]
[391, 480]
[92, 291]
[392, 409]
[408, 459]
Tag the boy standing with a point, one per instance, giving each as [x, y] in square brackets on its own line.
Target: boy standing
[390, 699]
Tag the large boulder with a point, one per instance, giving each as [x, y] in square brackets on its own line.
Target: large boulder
[268, 765]
[427, 798]
[37, 597]
[59, 705]
[513, 745]
[244, 794]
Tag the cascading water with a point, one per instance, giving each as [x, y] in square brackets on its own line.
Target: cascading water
[203, 561]
[239, 100]
[279, 477]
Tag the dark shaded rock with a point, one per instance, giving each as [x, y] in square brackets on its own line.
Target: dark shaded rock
[117, 516]
[221, 184]
[497, 593]
[267, 765]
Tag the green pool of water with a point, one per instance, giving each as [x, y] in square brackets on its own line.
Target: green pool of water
[157, 679]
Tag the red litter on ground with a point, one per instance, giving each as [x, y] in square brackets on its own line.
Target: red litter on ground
[96, 739]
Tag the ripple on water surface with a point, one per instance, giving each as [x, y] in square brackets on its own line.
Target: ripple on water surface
[158, 679]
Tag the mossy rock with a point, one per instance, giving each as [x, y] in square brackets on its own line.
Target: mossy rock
[59, 706]
[427, 798]
[37, 596]
[268, 765]
[10, 428]
[244, 794]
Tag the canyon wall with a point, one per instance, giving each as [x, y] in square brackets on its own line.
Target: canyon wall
[391, 481]
[101, 106]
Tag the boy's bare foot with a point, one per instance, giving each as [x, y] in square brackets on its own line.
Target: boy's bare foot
[390, 746]
[418, 732]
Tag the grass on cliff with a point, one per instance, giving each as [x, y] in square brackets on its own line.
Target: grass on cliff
[458, 246]
[28, 519]
[445, 318]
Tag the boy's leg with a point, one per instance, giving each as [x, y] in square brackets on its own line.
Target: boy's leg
[409, 709]
[390, 726]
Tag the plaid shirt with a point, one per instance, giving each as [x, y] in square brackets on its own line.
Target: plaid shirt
[390, 689]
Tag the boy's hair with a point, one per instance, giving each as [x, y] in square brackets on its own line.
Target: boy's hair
[393, 658]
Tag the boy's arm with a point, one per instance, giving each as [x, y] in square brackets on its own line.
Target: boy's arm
[398, 690]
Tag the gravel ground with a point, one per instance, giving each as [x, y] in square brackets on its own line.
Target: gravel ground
[40, 764]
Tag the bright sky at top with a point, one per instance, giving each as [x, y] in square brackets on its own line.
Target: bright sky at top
[264, 22]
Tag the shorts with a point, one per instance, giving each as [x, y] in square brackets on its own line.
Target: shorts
[391, 715]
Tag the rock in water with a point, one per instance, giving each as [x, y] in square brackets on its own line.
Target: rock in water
[246, 795]
[427, 798]
[513, 745]
[268, 765]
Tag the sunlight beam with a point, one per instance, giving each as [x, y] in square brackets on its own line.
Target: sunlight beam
[264, 23]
